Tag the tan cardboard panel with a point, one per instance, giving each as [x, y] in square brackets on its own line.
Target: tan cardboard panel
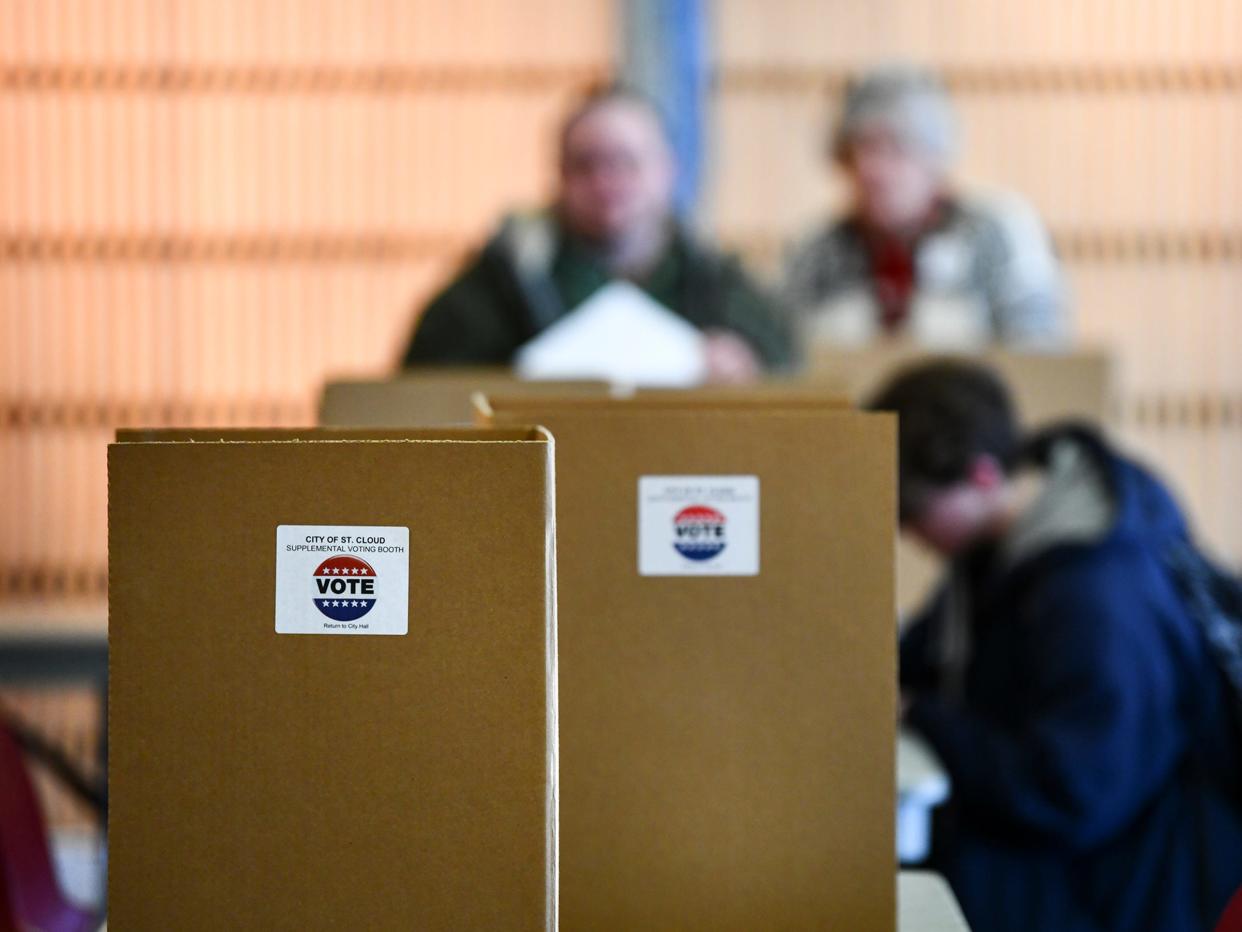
[428, 397]
[295, 781]
[727, 743]
[1045, 386]
[787, 392]
[786, 399]
[256, 434]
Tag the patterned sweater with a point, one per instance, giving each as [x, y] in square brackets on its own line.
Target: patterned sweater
[984, 273]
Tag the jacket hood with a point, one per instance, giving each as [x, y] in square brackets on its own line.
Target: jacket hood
[1091, 495]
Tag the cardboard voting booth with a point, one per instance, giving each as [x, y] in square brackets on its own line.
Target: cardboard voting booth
[332, 698]
[428, 397]
[728, 679]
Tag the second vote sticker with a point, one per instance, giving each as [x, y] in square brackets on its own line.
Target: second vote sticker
[698, 525]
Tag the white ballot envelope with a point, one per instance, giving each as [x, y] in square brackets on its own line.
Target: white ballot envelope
[619, 334]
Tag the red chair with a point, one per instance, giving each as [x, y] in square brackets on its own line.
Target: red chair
[27, 880]
[8, 918]
[1231, 921]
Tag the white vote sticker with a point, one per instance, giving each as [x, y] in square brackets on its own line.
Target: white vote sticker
[698, 525]
[342, 579]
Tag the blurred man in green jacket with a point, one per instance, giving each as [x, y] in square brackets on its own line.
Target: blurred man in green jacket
[612, 221]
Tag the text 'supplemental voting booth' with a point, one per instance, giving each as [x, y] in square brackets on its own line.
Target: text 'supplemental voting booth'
[728, 679]
[332, 681]
[428, 397]
[1046, 388]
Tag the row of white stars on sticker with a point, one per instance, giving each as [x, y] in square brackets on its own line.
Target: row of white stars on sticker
[356, 571]
[342, 603]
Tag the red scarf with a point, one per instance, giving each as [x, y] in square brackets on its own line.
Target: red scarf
[893, 269]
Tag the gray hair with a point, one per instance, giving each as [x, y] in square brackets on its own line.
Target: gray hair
[909, 102]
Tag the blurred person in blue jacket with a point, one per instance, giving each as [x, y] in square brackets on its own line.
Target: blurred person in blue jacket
[1089, 735]
[914, 258]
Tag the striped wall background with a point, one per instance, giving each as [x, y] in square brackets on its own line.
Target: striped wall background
[1120, 119]
[209, 206]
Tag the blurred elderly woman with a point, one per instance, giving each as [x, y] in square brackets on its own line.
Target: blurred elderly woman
[913, 258]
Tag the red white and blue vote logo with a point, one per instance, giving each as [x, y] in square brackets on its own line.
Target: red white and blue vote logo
[344, 588]
[699, 532]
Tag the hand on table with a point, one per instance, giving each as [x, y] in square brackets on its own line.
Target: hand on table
[730, 360]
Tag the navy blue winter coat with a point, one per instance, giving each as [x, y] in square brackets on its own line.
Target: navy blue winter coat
[1095, 763]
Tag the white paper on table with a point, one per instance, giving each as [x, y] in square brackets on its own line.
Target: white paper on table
[619, 334]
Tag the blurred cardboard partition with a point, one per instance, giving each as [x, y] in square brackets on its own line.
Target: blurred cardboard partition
[332, 681]
[1046, 386]
[785, 392]
[428, 397]
[728, 679]
[463, 433]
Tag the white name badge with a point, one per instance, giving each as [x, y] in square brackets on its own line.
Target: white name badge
[342, 579]
[698, 526]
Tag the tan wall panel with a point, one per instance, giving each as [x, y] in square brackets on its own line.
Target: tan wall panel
[128, 332]
[209, 207]
[953, 31]
[306, 32]
[120, 163]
